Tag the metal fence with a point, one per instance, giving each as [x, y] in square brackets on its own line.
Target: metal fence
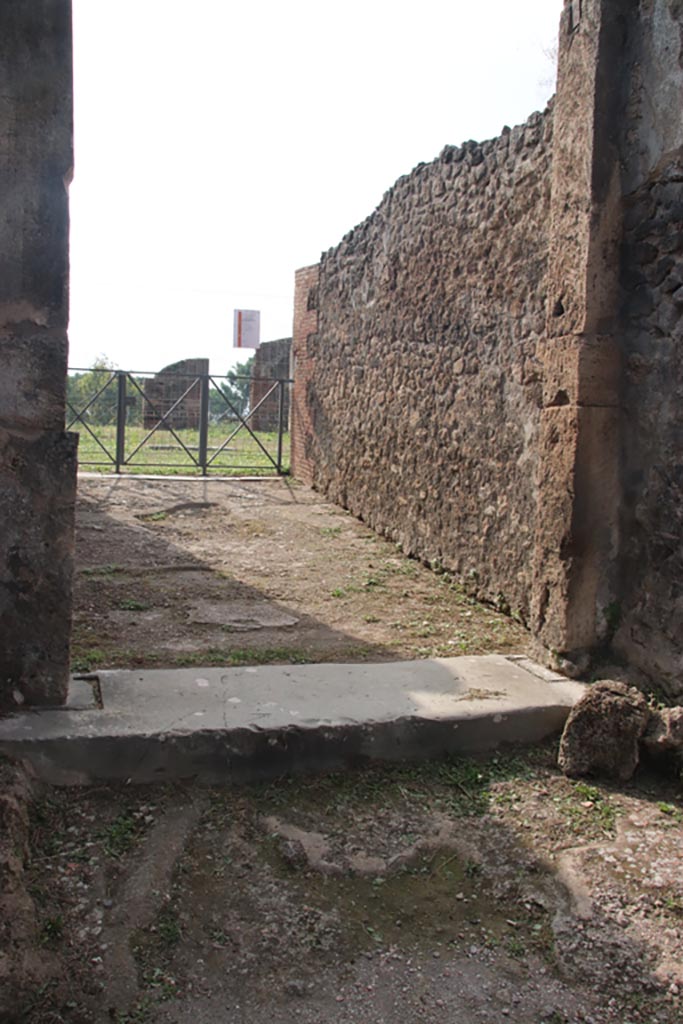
[177, 423]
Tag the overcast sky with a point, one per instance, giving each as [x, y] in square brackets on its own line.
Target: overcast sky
[219, 146]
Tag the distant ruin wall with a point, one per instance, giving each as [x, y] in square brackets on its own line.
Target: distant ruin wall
[271, 363]
[304, 342]
[174, 395]
[418, 389]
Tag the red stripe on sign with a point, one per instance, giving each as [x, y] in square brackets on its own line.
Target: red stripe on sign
[239, 329]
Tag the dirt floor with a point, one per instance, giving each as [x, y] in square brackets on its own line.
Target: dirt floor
[174, 572]
[451, 893]
[457, 892]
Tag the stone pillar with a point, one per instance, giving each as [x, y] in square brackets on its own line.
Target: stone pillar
[577, 545]
[649, 617]
[303, 363]
[37, 459]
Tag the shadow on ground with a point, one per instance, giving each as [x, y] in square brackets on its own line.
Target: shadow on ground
[215, 572]
[459, 891]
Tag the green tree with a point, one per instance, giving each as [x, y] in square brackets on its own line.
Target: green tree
[82, 388]
[235, 388]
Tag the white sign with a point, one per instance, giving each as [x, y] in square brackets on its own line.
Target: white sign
[247, 328]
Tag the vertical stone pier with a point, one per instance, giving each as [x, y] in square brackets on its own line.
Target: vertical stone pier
[37, 459]
[607, 563]
[577, 539]
[304, 352]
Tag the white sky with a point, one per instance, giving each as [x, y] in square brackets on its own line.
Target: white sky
[221, 145]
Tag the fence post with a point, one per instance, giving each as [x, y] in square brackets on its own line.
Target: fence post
[281, 422]
[121, 420]
[203, 422]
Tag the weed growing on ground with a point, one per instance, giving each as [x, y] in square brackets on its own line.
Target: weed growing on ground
[247, 656]
[460, 786]
[587, 810]
[153, 949]
[167, 927]
[131, 605]
[85, 660]
[141, 1013]
[52, 931]
[110, 569]
[118, 837]
[672, 812]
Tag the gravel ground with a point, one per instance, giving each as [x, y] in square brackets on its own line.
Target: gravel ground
[173, 572]
[461, 892]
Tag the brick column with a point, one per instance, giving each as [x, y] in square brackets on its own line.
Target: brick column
[303, 363]
[37, 459]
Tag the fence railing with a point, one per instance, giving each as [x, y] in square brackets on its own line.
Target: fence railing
[173, 423]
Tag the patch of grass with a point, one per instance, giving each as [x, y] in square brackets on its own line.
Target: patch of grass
[39, 1005]
[671, 811]
[167, 927]
[338, 592]
[153, 517]
[153, 949]
[330, 531]
[118, 837]
[52, 931]
[131, 605]
[587, 810]
[141, 1013]
[161, 982]
[460, 786]
[405, 568]
[472, 868]
[87, 659]
[674, 905]
[371, 581]
[219, 937]
[110, 569]
[167, 457]
[246, 656]
[516, 947]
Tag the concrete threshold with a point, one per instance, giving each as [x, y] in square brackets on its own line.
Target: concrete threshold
[244, 724]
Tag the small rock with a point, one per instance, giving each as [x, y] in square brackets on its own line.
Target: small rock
[295, 987]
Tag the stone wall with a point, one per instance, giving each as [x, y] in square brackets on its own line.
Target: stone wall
[272, 361]
[423, 383]
[492, 372]
[649, 613]
[174, 394]
[37, 459]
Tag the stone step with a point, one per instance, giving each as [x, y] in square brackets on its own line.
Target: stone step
[259, 722]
